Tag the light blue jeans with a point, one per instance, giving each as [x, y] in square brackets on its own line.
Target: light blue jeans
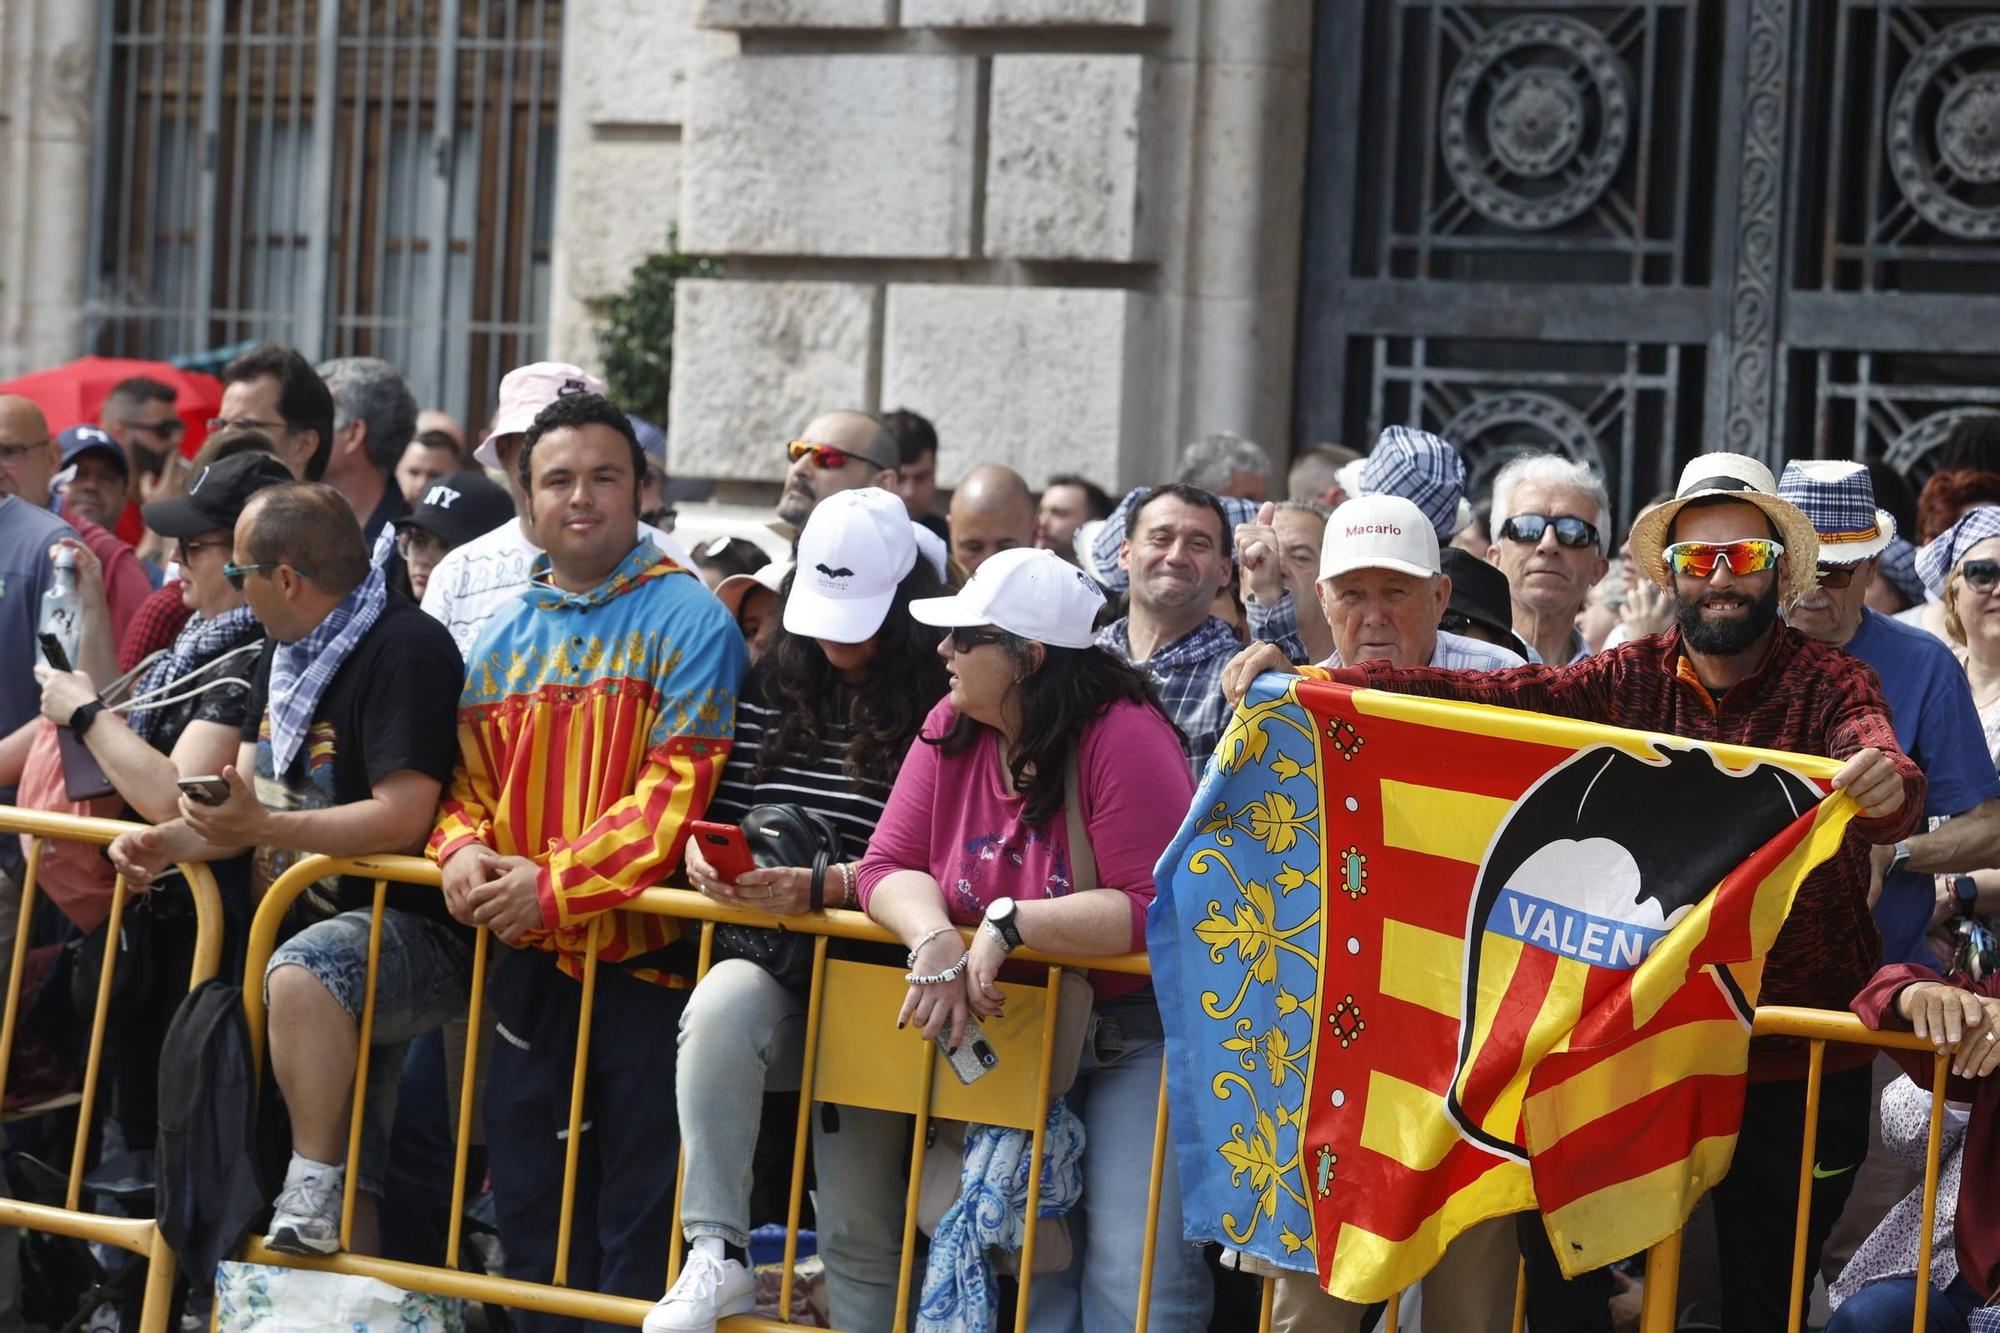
[1116, 1096]
[742, 1035]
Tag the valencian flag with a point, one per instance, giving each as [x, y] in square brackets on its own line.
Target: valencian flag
[1426, 963]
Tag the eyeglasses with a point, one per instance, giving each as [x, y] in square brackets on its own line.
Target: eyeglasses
[184, 550]
[12, 454]
[826, 456]
[965, 638]
[1570, 530]
[1981, 575]
[1836, 576]
[218, 424]
[167, 429]
[1699, 559]
[236, 573]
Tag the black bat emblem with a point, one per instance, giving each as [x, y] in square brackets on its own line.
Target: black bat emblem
[1686, 823]
[842, 573]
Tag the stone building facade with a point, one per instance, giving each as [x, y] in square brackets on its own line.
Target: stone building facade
[1066, 230]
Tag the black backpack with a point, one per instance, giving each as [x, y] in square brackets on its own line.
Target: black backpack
[207, 1148]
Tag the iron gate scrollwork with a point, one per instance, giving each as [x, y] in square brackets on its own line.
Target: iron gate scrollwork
[1633, 232]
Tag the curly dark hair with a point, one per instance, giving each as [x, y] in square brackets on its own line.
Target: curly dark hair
[905, 680]
[1072, 687]
[580, 409]
[1948, 494]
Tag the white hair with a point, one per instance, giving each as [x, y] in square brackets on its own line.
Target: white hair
[1550, 470]
[1212, 461]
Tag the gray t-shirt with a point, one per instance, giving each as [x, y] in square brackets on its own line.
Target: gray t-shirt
[26, 533]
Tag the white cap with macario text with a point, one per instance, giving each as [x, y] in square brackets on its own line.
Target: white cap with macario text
[1379, 532]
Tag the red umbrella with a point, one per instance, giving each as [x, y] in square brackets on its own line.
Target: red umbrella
[74, 394]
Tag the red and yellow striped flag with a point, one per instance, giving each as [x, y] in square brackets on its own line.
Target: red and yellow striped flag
[1521, 978]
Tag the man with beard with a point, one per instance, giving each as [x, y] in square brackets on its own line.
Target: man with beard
[1726, 548]
[1176, 554]
[139, 414]
[837, 451]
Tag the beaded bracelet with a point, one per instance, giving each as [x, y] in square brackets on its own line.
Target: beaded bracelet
[846, 883]
[918, 947]
[949, 974]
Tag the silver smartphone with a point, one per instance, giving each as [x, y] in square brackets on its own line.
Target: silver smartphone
[975, 1056]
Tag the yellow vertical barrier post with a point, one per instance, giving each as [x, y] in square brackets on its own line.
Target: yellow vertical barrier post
[1265, 1297]
[358, 1104]
[1663, 1281]
[566, 1221]
[1933, 1149]
[1521, 1297]
[1815, 1069]
[475, 1014]
[12, 1015]
[808, 1066]
[1038, 1147]
[1154, 1186]
[676, 1243]
[93, 1062]
[910, 1196]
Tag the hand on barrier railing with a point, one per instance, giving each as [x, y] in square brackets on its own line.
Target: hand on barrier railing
[509, 903]
[1955, 1020]
[143, 854]
[780, 890]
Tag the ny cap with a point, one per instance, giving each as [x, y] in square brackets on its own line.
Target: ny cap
[460, 507]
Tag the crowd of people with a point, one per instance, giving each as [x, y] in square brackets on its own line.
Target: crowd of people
[335, 630]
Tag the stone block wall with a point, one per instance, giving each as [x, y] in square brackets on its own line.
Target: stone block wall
[48, 53]
[1065, 230]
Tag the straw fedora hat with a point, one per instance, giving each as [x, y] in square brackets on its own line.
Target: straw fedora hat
[1732, 477]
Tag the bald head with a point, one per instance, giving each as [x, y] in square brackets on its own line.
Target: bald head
[992, 510]
[28, 457]
[855, 450]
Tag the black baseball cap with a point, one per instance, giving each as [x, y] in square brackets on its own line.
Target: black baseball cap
[1479, 593]
[216, 496]
[460, 507]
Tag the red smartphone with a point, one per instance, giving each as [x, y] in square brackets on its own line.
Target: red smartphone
[724, 847]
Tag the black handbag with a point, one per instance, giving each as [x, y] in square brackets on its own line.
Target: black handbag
[780, 835]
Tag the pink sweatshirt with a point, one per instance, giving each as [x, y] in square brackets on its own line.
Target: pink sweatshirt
[952, 817]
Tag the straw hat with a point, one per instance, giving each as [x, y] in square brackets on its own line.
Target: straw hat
[1732, 477]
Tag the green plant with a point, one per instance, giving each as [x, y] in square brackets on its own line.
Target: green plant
[638, 335]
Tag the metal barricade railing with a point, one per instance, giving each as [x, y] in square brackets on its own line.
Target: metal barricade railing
[140, 1235]
[1663, 1259]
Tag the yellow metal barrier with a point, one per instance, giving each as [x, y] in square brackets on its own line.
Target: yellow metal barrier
[140, 1235]
[929, 1098]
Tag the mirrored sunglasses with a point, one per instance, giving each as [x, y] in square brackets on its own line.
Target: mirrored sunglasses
[1699, 559]
[826, 456]
[1570, 530]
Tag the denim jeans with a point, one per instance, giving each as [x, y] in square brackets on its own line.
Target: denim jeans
[1888, 1306]
[422, 979]
[1116, 1095]
[742, 1035]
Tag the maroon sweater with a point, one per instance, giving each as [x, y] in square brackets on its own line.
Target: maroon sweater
[1806, 697]
[1976, 1228]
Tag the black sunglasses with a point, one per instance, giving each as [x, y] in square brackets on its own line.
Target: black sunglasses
[966, 637]
[1570, 530]
[1835, 576]
[236, 573]
[1982, 575]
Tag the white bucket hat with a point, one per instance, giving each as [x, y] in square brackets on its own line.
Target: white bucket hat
[1379, 532]
[856, 548]
[1030, 593]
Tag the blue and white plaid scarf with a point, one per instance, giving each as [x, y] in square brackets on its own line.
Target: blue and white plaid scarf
[199, 643]
[300, 672]
[991, 1213]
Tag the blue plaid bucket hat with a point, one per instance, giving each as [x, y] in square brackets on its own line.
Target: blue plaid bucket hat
[1899, 566]
[1939, 556]
[1422, 468]
[1839, 498]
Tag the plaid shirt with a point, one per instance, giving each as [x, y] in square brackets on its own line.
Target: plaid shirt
[1806, 697]
[1188, 675]
[154, 627]
[1458, 652]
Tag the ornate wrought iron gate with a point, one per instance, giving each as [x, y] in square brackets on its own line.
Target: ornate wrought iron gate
[1637, 231]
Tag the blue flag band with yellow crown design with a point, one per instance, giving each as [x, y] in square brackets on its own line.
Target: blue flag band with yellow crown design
[1426, 963]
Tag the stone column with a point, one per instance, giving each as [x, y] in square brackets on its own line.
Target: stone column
[48, 53]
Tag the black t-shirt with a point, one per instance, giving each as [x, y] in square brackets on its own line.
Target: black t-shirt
[392, 705]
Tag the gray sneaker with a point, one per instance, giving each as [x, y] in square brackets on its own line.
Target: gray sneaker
[306, 1218]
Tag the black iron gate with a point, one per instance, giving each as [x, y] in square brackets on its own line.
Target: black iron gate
[1634, 232]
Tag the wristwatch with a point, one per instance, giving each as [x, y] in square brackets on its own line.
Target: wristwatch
[1897, 857]
[1967, 892]
[85, 714]
[1000, 916]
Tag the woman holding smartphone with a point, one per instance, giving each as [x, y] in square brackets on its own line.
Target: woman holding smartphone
[976, 834]
[824, 720]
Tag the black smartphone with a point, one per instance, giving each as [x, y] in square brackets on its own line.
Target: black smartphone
[204, 790]
[52, 652]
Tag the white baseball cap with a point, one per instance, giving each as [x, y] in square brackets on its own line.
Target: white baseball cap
[856, 547]
[524, 392]
[1027, 592]
[1379, 532]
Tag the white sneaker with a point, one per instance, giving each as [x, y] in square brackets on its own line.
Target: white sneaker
[709, 1289]
[306, 1218]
